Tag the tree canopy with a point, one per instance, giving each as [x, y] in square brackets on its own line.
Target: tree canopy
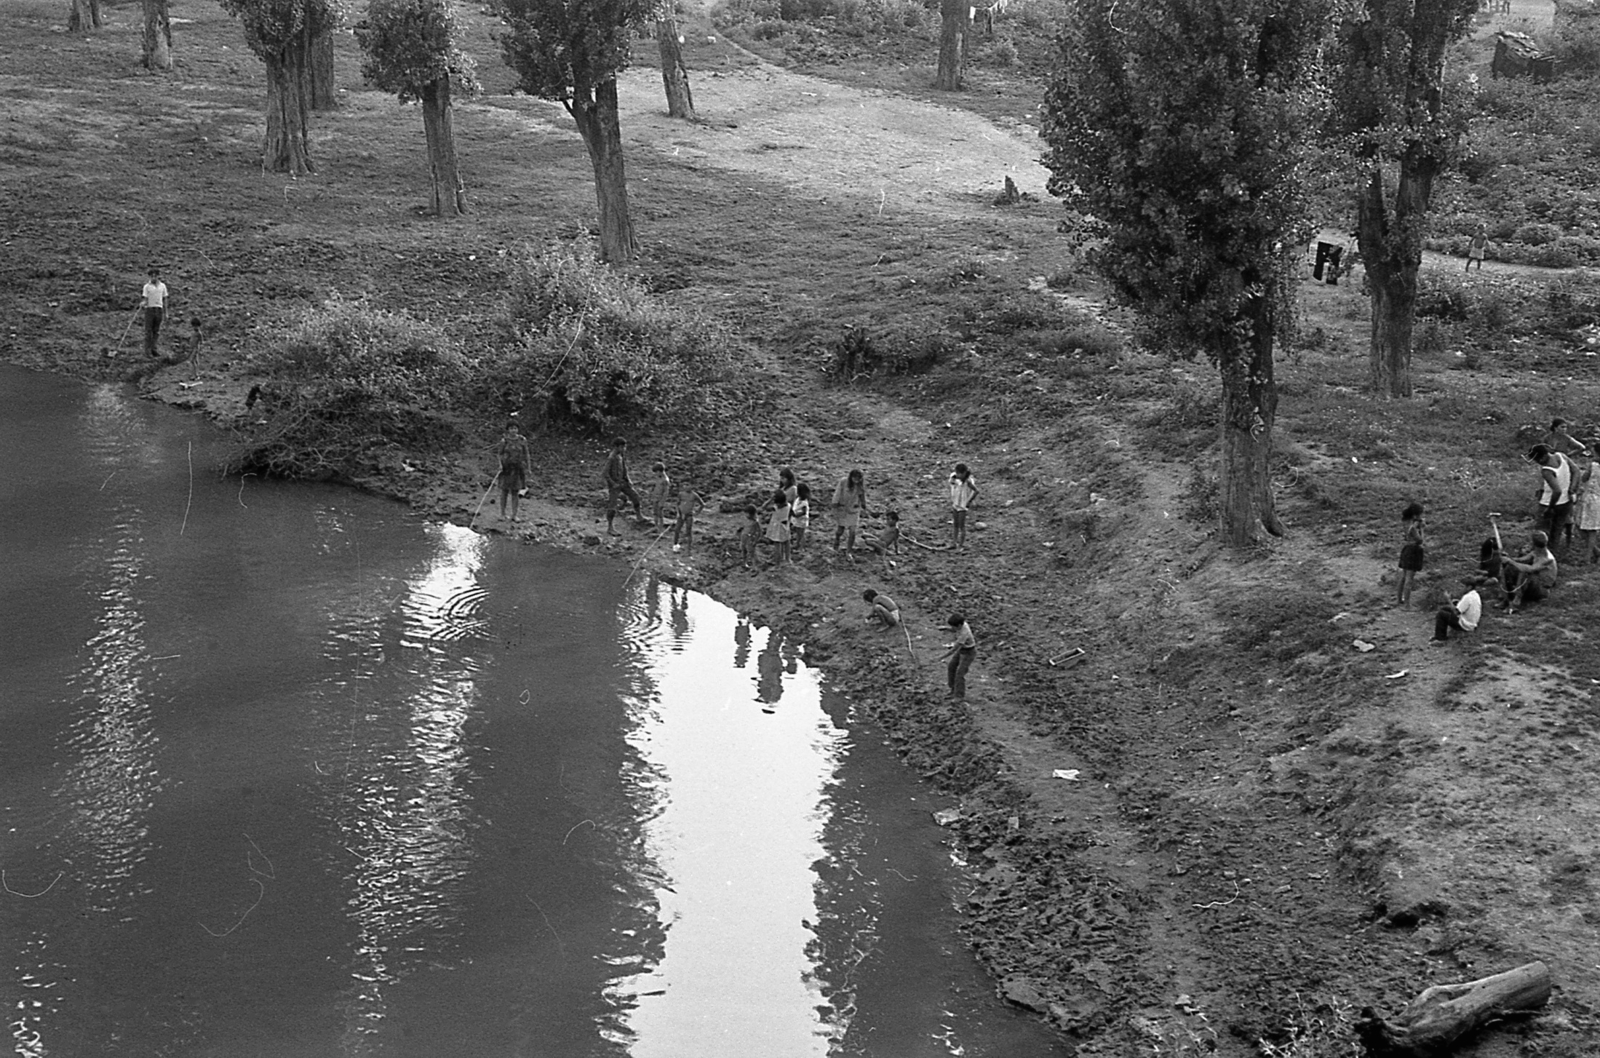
[1181, 124]
[410, 45]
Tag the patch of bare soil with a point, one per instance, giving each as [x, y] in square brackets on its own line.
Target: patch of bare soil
[1223, 828]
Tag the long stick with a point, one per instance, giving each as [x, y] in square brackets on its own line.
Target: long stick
[646, 554]
[486, 492]
[129, 327]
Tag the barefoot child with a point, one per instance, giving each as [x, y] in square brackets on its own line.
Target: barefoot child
[960, 653]
[513, 469]
[689, 503]
[799, 517]
[660, 489]
[749, 533]
[884, 610]
[963, 491]
[888, 542]
[1411, 553]
[778, 527]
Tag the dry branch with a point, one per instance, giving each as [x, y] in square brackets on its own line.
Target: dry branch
[1442, 1015]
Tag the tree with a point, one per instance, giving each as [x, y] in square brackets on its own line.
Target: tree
[278, 31]
[571, 51]
[952, 28]
[157, 35]
[1180, 125]
[319, 70]
[411, 50]
[83, 16]
[1391, 108]
[675, 75]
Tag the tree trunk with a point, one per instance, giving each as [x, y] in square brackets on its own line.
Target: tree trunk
[288, 144]
[595, 111]
[83, 16]
[157, 35]
[449, 198]
[319, 71]
[952, 31]
[1391, 250]
[1436, 1020]
[680, 103]
[1249, 409]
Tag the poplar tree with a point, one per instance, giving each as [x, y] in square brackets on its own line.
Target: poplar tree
[1392, 109]
[571, 51]
[1181, 124]
[410, 48]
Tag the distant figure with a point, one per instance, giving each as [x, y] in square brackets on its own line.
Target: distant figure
[778, 527]
[799, 517]
[849, 501]
[619, 484]
[1532, 576]
[660, 491]
[155, 309]
[513, 476]
[1463, 616]
[963, 490]
[960, 651]
[888, 541]
[1412, 553]
[882, 609]
[689, 504]
[1477, 248]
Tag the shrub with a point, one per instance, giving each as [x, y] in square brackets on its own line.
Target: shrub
[1537, 234]
[590, 345]
[346, 381]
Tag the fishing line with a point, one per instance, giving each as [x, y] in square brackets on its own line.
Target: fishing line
[646, 554]
[29, 896]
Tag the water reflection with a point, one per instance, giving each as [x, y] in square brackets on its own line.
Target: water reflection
[399, 803]
[738, 798]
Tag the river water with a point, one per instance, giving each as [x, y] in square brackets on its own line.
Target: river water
[287, 771]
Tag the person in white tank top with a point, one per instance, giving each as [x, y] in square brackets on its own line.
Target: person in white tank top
[155, 309]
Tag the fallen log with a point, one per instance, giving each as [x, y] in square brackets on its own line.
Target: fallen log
[1442, 1015]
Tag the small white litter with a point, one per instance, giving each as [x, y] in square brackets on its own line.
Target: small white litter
[1070, 774]
[945, 816]
[1363, 646]
[1398, 675]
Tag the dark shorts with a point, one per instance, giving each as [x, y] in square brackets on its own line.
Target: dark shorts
[513, 477]
[1411, 557]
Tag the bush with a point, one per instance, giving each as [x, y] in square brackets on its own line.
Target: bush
[1537, 234]
[592, 346]
[346, 381]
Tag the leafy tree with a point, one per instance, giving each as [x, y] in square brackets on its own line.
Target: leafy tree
[279, 32]
[1180, 124]
[411, 50]
[952, 28]
[1391, 107]
[571, 51]
[157, 35]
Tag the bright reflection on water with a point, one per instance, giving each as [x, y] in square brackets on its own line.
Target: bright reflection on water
[290, 773]
[732, 780]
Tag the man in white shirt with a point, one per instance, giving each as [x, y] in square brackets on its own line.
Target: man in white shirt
[155, 309]
[1463, 616]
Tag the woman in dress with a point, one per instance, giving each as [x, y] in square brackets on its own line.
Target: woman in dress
[1412, 553]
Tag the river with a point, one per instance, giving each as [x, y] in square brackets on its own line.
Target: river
[286, 770]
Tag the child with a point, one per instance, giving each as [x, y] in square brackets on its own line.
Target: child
[659, 492]
[1463, 616]
[963, 491]
[778, 526]
[1411, 552]
[749, 532]
[799, 517]
[689, 503]
[884, 610]
[1589, 505]
[889, 541]
[513, 469]
[961, 651]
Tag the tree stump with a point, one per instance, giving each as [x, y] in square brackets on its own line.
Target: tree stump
[1442, 1015]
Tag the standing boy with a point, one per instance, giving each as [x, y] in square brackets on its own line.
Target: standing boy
[660, 489]
[963, 491]
[514, 461]
[618, 484]
[960, 651]
[689, 503]
[155, 309]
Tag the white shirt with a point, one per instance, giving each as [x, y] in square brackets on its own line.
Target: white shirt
[962, 492]
[155, 295]
[1471, 610]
